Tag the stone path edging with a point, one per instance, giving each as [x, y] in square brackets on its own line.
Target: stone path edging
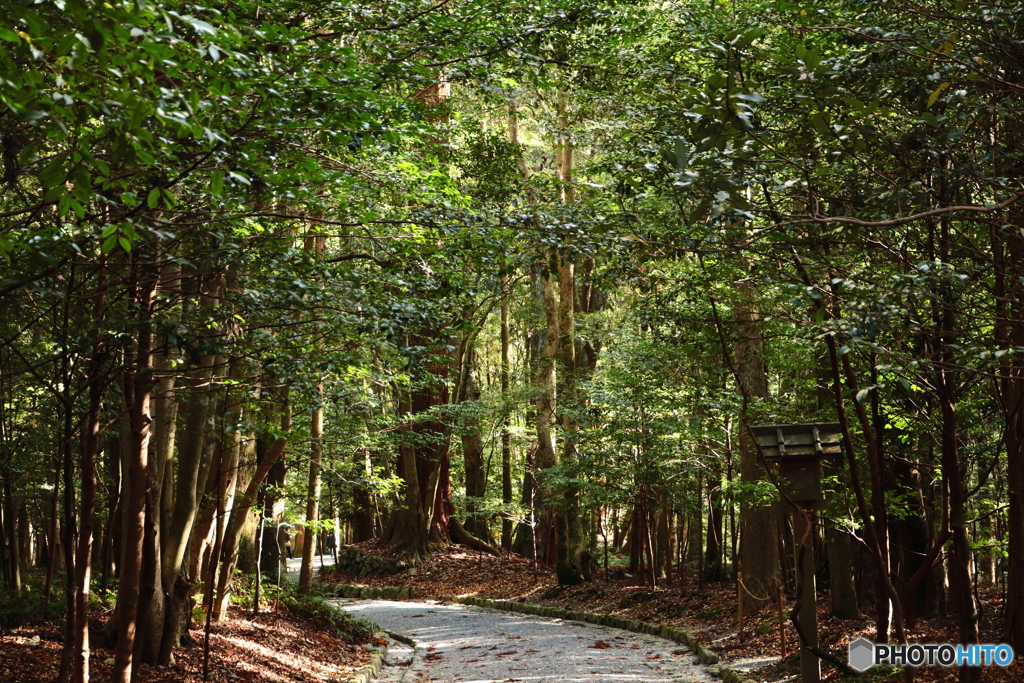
[368, 672]
[342, 590]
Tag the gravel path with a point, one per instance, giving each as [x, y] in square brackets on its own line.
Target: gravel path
[474, 645]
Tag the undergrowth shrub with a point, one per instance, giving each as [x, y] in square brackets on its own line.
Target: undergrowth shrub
[29, 606]
[324, 614]
[309, 607]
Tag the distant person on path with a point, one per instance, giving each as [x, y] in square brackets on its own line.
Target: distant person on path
[330, 547]
[288, 545]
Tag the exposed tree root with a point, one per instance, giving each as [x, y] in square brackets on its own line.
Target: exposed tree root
[459, 535]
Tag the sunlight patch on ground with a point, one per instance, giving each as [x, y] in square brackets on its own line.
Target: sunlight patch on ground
[747, 663]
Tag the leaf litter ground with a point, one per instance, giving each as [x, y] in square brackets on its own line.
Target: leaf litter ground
[277, 646]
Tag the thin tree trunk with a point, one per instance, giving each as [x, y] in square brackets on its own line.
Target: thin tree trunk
[90, 455]
[506, 437]
[663, 558]
[236, 523]
[113, 510]
[231, 455]
[316, 432]
[873, 541]
[11, 520]
[55, 531]
[713, 570]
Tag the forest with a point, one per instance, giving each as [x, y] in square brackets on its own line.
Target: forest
[520, 277]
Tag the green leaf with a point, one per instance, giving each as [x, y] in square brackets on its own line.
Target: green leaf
[820, 123]
[77, 208]
[54, 173]
[169, 199]
[217, 183]
[754, 97]
[682, 153]
[200, 26]
[153, 198]
[938, 91]
[125, 244]
[811, 59]
[749, 37]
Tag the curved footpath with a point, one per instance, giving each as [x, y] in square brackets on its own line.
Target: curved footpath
[475, 645]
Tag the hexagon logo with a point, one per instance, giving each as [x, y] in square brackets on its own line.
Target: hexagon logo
[862, 654]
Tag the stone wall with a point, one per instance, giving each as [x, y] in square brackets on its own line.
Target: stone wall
[355, 562]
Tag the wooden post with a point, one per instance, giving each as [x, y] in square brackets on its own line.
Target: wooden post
[810, 667]
[739, 596]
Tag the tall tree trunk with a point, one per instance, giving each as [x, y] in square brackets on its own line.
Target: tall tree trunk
[270, 555]
[759, 533]
[188, 485]
[138, 387]
[424, 454]
[1008, 259]
[946, 381]
[840, 564]
[409, 527]
[473, 449]
[544, 387]
[362, 513]
[568, 533]
[524, 542]
[226, 483]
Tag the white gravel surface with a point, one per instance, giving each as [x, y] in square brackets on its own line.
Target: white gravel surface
[475, 645]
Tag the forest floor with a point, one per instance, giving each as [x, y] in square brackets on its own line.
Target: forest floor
[708, 611]
[279, 645]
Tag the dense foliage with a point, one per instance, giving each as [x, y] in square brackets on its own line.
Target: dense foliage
[508, 275]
